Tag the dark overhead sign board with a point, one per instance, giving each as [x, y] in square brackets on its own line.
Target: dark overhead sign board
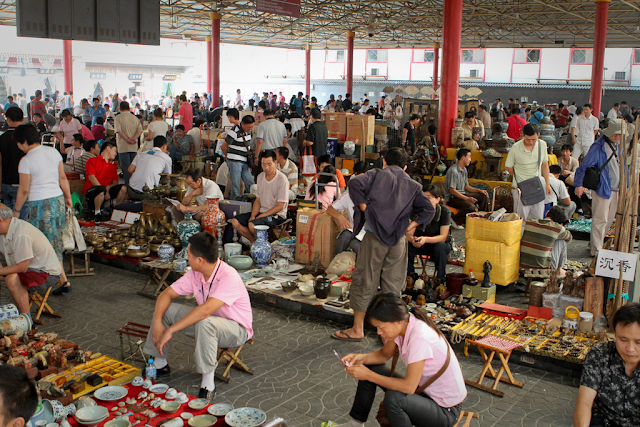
[135, 77]
[279, 7]
[169, 77]
[119, 21]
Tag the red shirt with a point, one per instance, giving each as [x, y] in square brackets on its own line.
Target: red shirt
[37, 107]
[86, 133]
[105, 172]
[562, 117]
[98, 132]
[186, 112]
[516, 123]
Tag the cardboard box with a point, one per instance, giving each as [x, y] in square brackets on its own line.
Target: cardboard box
[336, 124]
[355, 126]
[315, 232]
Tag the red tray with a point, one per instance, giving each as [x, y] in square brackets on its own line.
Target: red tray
[503, 310]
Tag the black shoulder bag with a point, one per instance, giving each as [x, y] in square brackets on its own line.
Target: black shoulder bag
[531, 190]
[592, 174]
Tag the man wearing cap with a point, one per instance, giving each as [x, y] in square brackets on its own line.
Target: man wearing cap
[604, 152]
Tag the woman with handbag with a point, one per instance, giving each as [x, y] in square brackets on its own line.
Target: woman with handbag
[433, 389]
[44, 183]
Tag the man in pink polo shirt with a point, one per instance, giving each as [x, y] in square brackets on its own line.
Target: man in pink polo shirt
[222, 317]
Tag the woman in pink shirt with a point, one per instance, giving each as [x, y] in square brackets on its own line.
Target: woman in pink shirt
[429, 360]
[326, 194]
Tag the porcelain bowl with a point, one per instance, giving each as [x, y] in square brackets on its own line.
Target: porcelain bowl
[289, 286]
[170, 407]
[91, 413]
[240, 262]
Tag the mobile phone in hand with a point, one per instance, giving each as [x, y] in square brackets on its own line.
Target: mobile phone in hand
[344, 363]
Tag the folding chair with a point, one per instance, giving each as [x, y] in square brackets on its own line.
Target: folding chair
[278, 231]
[467, 421]
[233, 359]
[423, 261]
[43, 306]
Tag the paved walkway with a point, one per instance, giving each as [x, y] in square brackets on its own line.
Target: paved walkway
[297, 375]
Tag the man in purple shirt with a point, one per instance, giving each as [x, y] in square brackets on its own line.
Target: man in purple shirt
[222, 317]
[384, 198]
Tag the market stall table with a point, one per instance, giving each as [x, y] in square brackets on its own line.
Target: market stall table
[158, 273]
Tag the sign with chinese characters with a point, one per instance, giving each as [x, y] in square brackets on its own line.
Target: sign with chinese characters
[135, 76]
[610, 262]
[279, 7]
[169, 77]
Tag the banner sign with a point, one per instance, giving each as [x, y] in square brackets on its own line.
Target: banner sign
[279, 7]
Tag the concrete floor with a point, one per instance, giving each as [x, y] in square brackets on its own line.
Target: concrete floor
[296, 374]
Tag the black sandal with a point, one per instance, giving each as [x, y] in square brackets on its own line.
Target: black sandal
[64, 288]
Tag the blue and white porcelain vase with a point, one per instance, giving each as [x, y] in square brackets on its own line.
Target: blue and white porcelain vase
[185, 229]
[261, 248]
[165, 251]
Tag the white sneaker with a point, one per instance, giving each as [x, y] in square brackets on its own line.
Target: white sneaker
[456, 226]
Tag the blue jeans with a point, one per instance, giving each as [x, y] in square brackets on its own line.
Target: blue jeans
[238, 171]
[125, 161]
[9, 197]
[176, 155]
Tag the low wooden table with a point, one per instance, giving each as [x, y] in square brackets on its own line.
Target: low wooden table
[494, 345]
[158, 273]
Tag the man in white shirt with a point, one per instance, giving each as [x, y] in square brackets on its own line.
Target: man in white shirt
[287, 167]
[346, 239]
[271, 132]
[202, 189]
[146, 168]
[272, 201]
[583, 134]
[134, 100]
[22, 103]
[559, 195]
[613, 113]
[572, 108]
[31, 261]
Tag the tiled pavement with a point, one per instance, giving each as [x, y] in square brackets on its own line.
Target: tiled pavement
[297, 376]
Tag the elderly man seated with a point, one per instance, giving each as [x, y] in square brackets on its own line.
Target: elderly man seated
[146, 168]
[221, 319]
[272, 201]
[202, 189]
[31, 261]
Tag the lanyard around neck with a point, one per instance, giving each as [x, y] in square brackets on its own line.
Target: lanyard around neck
[210, 284]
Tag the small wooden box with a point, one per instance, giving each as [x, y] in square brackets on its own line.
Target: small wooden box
[478, 292]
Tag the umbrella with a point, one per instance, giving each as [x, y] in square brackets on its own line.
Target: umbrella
[387, 89]
[411, 90]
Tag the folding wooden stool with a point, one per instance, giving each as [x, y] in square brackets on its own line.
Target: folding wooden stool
[467, 421]
[233, 359]
[503, 348]
[43, 306]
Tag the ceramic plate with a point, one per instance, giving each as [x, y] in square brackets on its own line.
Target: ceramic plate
[158, 388]
[110, 393]
[245, 417]
[220, 409]
[198, 404]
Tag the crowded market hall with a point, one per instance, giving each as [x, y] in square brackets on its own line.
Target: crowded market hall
[257, 213]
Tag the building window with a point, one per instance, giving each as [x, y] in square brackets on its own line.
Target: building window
[376, 55]
[473, 55]
[428, 56]
[474, 73]
[335, 56]
[582, 56]
[527, 56]
[375, 71]
[636, 56]
[621, 75]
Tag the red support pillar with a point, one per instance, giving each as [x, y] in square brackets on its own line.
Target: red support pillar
[451, 36]
[307, 67]
[350, 37]
[215, 59]
[599, 44]
[67, 65]
[436, 63]
[209, 63]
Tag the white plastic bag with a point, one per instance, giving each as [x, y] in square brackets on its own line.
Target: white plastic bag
[68, 239]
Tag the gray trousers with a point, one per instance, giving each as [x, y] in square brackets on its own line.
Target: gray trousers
[527, 212]
[378, 265]
[603, 212]
[559, 254]
[210, 334]
[346, 240]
